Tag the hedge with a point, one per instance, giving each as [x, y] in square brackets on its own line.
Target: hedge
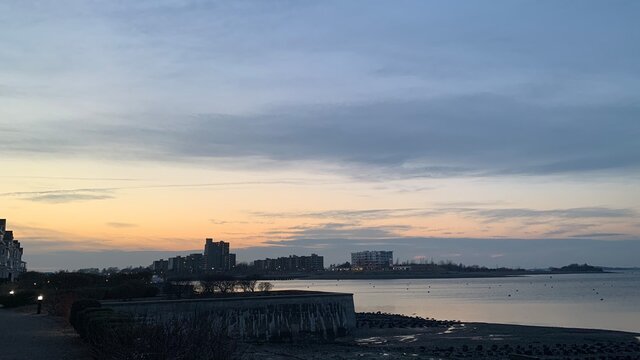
[20, 298]
[80, 305]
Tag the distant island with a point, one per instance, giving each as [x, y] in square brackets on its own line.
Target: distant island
[577, 268]
[446, 270]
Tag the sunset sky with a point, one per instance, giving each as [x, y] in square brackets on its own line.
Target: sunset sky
[496, 133]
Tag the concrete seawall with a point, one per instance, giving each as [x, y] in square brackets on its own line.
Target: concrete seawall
[287, 317]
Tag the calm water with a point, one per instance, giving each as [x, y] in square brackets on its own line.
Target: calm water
[558, 300]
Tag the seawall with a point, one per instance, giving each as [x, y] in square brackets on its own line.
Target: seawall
[290, 317]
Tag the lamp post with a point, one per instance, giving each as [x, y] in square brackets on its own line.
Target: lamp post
[12, 292]
[40, 298]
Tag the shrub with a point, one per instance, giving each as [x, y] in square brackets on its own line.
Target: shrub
[20, 298]
[59, 302]
[131, 289]
[84, 316]
[101, 325]
[72, 280]
[179, 289]
[80, 305]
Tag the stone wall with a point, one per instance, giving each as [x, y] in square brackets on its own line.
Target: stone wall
[287, 317]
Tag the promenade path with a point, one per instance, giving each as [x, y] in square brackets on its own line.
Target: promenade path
[27, 336]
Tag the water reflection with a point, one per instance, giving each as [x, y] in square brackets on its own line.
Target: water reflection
[606, 301]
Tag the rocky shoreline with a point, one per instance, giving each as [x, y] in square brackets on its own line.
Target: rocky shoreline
[390, 336]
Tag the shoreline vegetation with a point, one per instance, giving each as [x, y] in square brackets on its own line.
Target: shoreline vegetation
[426, 275]
[433, 271]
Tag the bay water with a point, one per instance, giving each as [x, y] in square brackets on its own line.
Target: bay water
[597, 301]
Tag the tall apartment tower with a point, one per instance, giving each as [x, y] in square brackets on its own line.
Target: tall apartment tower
[217, 256]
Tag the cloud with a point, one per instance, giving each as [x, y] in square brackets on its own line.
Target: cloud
[60, 198]
[83, 194]
[491, 96]
[121, 225]
[337, 230]
[55, 242]
[41, 240]
[364, 214]
[485, 213]
[598, 235]
[570, 213]
[64, 196]
[383, 140]
[67, 178]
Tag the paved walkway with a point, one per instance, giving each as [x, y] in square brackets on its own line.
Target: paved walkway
[26, 336]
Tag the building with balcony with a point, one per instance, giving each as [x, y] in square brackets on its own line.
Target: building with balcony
[371, 260]
[11, 264]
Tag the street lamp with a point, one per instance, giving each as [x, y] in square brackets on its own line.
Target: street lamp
[12, 292]
[40, 298]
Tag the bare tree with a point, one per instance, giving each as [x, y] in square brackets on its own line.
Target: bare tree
[226, 286]
[265, 286]
[248, 285]
[209, 286]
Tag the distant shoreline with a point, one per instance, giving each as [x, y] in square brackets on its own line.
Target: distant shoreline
[397, 275]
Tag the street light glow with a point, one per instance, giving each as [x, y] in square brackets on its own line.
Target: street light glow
[11, 292]
[40, 297]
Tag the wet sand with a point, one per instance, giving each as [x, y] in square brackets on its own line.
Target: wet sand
[384, 336]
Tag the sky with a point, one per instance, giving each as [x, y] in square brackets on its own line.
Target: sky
[502, 133]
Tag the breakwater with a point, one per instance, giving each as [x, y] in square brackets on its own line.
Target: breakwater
[287, 317]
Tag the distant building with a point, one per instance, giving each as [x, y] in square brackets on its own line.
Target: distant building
[371, 260]
[176, 265]
[11, 264]
[291, 264]
[160, 267]
[217, 256]
[232, 260]
[194, 264]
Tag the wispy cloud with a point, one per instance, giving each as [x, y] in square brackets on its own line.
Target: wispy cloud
[64, 196]
[102, 193]
[525, 213]
[598, 235]
[332, 231]
[341, 214]
[121, 225]
[38, 239]
[487, 213]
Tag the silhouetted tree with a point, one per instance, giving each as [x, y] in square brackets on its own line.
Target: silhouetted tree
[265, 286]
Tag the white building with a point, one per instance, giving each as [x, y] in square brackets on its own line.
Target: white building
[11, 264]
[371, 260]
